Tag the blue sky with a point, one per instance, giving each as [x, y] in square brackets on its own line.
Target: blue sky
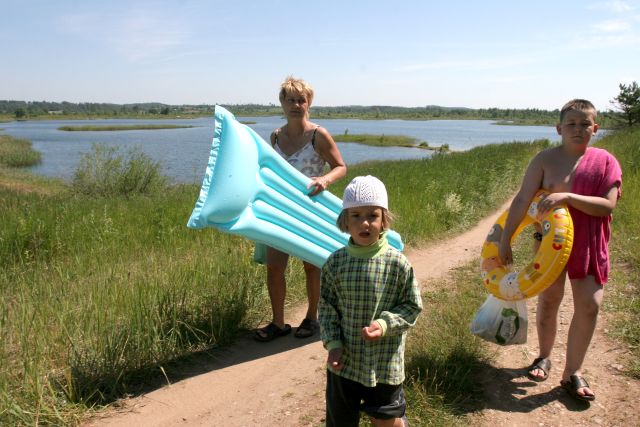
[452, 53]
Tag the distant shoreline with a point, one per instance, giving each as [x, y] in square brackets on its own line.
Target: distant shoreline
[42, 110]
[102, 128]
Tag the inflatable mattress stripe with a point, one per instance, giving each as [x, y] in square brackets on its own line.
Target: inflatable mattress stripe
[249, 190]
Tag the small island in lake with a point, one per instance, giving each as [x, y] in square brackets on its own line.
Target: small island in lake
[92, 128]
[387, 141]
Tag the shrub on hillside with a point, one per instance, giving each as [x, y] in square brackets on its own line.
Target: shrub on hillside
[105, 172]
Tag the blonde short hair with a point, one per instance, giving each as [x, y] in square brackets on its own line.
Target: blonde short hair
[343, 220]
[581, 105]
[293, 85]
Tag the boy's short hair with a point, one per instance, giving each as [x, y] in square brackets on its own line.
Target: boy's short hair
[293, 85]
[578, 105]
[343, 220]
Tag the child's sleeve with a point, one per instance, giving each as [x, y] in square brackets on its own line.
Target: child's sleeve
[404, 315]
[328, 309]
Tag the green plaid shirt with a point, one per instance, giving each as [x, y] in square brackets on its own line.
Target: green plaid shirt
[359, 285]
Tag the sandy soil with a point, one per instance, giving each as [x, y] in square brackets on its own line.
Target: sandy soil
[281, 383]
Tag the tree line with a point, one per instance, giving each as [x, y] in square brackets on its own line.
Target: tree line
[626, 104]
[26, 109]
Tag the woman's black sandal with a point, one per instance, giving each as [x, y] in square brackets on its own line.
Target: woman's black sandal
[307, 328]
[271, 332]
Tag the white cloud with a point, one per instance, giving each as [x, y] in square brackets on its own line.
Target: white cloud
[615, 6]
[613, 26]
[615, 40]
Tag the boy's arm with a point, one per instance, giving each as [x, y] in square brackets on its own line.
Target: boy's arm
[404, 315]
[327, 310]
[531, 183]
[597, 191]
[591, 205]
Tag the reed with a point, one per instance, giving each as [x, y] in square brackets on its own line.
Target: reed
[106, 172]
[17, 152]
[379, 140]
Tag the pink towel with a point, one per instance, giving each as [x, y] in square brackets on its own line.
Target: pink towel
[597, 172]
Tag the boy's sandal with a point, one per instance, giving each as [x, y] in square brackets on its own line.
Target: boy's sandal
[271, 331]
[542, 364]
[575, 383]
[307, 328]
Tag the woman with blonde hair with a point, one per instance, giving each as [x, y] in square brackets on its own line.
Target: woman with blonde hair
[308, 147]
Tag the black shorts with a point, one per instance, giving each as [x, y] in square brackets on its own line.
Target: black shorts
[346, 398]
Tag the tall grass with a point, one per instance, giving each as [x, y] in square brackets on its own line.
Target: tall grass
[98, 292]
[106, 172]
[17, 152]
[442, 357]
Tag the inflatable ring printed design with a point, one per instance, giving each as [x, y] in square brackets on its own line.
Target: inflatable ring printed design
[548, 262]
[249, 190]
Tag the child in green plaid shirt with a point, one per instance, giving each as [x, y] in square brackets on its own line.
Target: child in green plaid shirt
[369, 298]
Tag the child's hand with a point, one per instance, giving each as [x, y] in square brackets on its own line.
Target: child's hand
[550, 201]
[333, 359]
[372, 332]
[505, 253]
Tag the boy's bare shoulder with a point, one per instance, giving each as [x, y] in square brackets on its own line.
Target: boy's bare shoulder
[551, 151]
[548, 154]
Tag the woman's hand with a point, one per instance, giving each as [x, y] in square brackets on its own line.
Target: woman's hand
[319, 184]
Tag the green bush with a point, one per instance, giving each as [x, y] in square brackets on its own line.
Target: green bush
[105, 172]
[17, 152]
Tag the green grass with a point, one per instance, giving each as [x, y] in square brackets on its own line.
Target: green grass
[17, 152]
[388, 141]
[103, 295]
[442, 357]
[96, 128]
[379, 140]
[106, 172]
[100, 293]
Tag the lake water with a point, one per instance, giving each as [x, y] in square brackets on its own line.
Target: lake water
[184, 153]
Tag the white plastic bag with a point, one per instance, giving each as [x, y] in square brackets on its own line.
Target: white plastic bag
[501, 322]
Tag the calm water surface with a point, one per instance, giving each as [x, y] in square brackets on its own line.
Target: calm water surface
[184, 152]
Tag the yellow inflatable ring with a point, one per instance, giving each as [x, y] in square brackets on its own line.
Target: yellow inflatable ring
[548, 262]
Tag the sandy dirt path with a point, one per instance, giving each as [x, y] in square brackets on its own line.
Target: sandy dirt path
[281, 383]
